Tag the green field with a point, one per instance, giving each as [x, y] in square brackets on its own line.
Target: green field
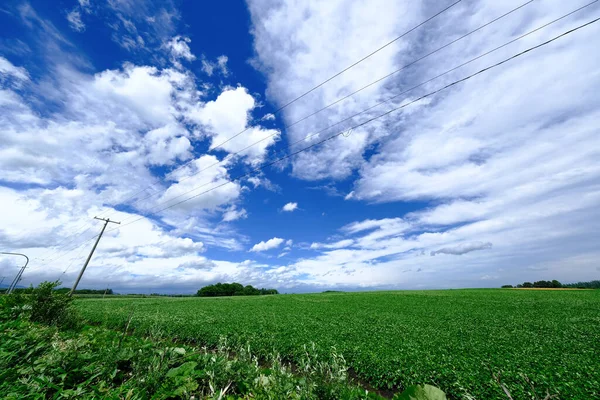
[452, 339]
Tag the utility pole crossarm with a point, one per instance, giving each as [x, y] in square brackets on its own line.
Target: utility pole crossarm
[106, 221]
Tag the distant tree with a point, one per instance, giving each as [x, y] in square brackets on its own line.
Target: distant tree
[232, 289]
[507, 286]
[519, 286]
[583, 285]
[542, 284]
[556, 284]
[527, 284]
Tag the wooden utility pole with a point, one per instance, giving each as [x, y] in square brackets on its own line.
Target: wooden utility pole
[106, 221]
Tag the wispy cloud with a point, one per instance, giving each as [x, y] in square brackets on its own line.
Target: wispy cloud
[74, 18]
[463, 248]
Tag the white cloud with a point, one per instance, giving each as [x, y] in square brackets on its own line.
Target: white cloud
[75, 22]
[262, 181]
[8, 69]
[337, 245]
[255, 181]
[290, 207]
[145, 90]
[504, 158]
[232, 214]
[222, 63]
[141, 26]
[100, 147]
[209, 67]
[268, 245]
[228, 116]
[463, 248]
[190, 182]
[180, 49]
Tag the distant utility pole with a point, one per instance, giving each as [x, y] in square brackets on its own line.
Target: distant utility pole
[19, 273]
[106, 221]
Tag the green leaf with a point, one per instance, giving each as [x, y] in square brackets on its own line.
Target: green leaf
[184, 369]
[425, 392]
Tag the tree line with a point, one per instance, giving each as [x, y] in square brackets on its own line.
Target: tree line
[554, 284]
[233, 289]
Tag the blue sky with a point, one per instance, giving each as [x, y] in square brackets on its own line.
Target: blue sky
[114, 108]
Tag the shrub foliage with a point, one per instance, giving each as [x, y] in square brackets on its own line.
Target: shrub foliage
[233, 289]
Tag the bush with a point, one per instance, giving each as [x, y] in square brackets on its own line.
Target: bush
[42, 304]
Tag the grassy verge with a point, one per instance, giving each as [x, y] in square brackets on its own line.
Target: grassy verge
[38, 361]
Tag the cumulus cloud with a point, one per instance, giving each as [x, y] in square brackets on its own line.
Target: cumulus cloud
[463, 248]
[226, 121]
[268, 245]
[289, 207]
[189, 182]
[99, 150]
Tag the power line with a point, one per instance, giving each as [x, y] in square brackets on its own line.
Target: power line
[411, 63]
[76, 234]
[359, 113]
[365, 110]
[446, 72]
[374, 118]
[71, 263]
[365, 57]
[318, 86]
[345, 97]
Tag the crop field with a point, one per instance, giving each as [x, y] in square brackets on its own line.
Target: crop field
[453, 339]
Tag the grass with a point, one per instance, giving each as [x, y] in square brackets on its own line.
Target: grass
[452, 339]
[45, 362]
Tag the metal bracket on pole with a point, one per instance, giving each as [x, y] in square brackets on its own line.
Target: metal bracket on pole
[106, 221]
[19, 273]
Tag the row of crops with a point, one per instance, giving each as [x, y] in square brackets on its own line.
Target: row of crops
[456, 340]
